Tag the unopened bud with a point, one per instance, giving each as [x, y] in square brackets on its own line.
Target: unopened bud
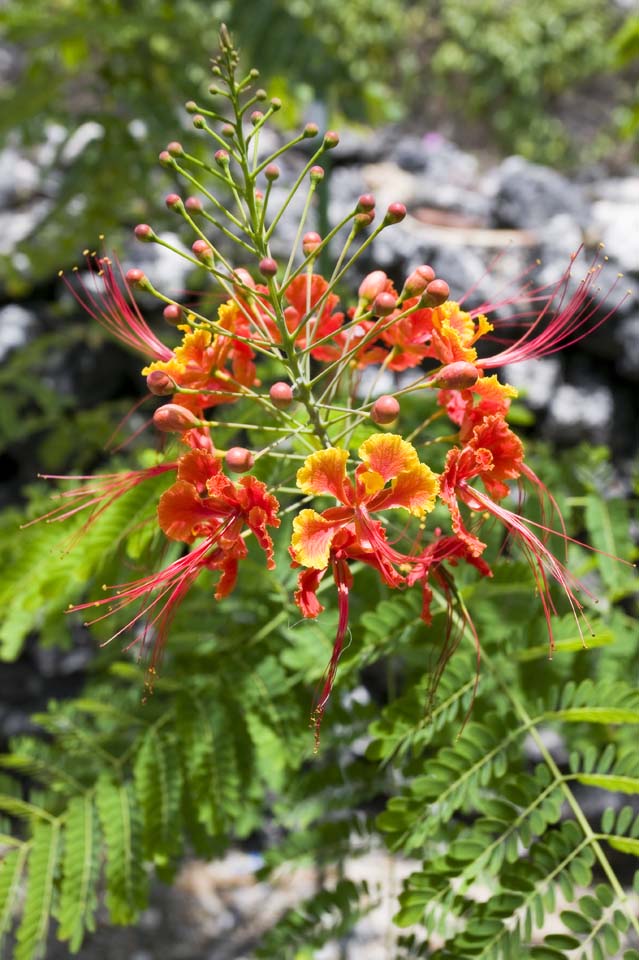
[361, 220]
[214, 90]
[383, 304]
[260, 94]
[144, 233]
[310, 243]
[173, 201]
[256, 117]
[166, 159]
[366, 203]
[193, 205]
[173, 314]
[228, 131]
[175, 149]
[268, 267]
[202, 251]
[276, 104]
[135, 276]
[331, 139]
[199, 122]
[190, 106]
[459, 375]
[395, 213]
[310, 130]
[385, 409]
[372, 284]
[418, 280]
[242, 278]
[436, 293]
[272, 172]
[316, 173]
[239, 459]
[221, 157]
[159, 383]
[281, 395]
[172, 418]
[259, 196]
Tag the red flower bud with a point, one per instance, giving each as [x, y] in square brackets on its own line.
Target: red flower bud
[166, 159]
[459, 375]
[395, 213]
[144, 233]
[135, 276]
[172, 314]
[172, 418]
[199, 122]
[316, 173]
[310, 243]
[385, 409]
[372, 284]
[243, 279]
[221, 157]
[228, 131]
[268, 267]
[361, 220]
[202, 251]
[239, 459]
[310, 130]
[366, 203]
[418, 280]
[193, 205]
[276, 103]
[159, 383]
[190, 106]
[437, 292]
[256, 116]
[173, 201]
[272, 172]
[281, 395]
[175, 149]
[383, 304]
[331, 139]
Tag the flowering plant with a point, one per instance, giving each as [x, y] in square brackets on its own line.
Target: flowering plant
[328, 452]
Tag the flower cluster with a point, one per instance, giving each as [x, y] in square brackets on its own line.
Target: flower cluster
[360, 502]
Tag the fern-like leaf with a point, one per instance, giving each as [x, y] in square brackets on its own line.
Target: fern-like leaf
[126, 879]
[80, 871]
[43, 858]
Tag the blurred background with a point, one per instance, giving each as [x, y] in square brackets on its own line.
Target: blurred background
[506, 128]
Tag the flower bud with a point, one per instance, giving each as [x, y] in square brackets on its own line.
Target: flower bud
[239, 459]
[242, 278]
[310, 130]
[175, 149]
[395, 213]
[202, 251]
[311, 241]
[193, 205]
[281, 395]
[276, 104]
[261, 94]
[437, 292]
[173, 314]
[172, 418]
[383, 304]
[173, 201]
[256, 117]
[331, 139]
[159, 383]
[214, 90]
[361, 220]
[190, 106]
[221, 157]
[459, 375]
[272, 172]
[144, 233]
[418, 280]
[316, 173]
[372, 284]
[366, 203]
[199, 122]
[135, 276]
[268, 267]
[166, 159]
[385, 409]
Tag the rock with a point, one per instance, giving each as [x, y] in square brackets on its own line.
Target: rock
[436, 156]
[580, 413]
[627, 347]
[617, 226]
[19, 177]
[537, 379]
[16, 326]
[528, 195]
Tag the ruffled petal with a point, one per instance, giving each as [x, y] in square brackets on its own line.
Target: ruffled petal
[416, 490]
[182, 514]
[388, 454]
[306, 593]
[312, 539]
[197, 467]
[324, 472]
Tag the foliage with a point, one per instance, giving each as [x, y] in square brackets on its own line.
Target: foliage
[438, 738]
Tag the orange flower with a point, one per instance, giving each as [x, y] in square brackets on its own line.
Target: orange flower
[389, 476]
[467, 408]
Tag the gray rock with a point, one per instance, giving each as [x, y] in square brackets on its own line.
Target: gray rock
[580, 413]
[616, 224]
[627, 347]
[537, 379]
[16, 325]
[19, 177]
[528, 195]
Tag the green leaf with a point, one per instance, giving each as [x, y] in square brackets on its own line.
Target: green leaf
[624, 844]
[11, 867]
[80, 871]
[595, 715]
[609, 781]
[125, 876]
[158, 782]
[43, 857]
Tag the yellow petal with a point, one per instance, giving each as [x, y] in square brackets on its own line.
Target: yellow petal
[388, 454]
[324, 472]
[312, 539]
